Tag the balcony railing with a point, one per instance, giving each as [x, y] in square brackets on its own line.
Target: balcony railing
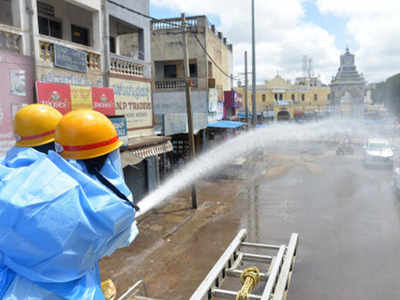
[10, 38]
[178, 83]
[126, 66]
[174, 24]
[47, 52]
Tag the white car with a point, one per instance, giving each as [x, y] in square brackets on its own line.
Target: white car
[378, 152]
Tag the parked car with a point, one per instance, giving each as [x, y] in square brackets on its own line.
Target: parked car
[378, 152]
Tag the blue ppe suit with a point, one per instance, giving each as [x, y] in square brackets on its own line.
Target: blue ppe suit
[18, 157]
[61, 221]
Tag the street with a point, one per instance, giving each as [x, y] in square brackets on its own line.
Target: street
[347, 217]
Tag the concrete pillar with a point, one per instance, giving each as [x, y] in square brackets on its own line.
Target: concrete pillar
[31, 9]
[105, 38]
[23, 22]
[16, 13]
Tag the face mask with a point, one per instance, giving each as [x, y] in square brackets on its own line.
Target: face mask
[45, 148]
[94, 166]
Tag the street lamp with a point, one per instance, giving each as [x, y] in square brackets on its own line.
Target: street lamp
[253, 42]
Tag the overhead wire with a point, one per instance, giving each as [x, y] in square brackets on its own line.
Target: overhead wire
[183, 26]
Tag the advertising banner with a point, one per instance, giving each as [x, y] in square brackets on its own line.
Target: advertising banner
[55, 95]
[66, 97]
[120, 125]
[103, 100]
[133, 99]
[81, 97]
[212, 100]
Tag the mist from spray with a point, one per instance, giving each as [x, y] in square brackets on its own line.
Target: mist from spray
[245, 144]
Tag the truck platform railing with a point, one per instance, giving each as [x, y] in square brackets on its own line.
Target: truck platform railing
[275, 262]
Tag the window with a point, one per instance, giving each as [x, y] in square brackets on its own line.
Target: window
[264, 98]
[315, 97]
[293, 97]
[280, 96]
[170, 71]
[193, 70]
[302, 97]
[50, 27]
[112, 44]
[80, 35]
[276, 97]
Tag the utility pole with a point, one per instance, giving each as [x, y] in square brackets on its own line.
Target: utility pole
[253, 42]
[189, 104]
[106, 44]
[246, 87]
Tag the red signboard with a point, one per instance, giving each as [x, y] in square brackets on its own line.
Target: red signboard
[66, 97]
[54, 94]
[103, 100]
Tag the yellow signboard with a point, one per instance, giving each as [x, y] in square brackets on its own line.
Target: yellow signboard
[81, 97]
[133, 99]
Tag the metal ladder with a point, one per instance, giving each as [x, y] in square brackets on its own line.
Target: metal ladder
[276, 275]
[276, 271]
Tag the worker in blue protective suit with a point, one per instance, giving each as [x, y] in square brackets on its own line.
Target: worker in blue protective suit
[34, 127]
[78, 211]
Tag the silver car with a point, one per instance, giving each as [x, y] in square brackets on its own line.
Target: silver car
[378, 152]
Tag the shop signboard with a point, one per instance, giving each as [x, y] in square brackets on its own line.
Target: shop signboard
[55, 95]
[120, 125]
[176, 123]
[283, 102]
[70, 59]
[66, 97]
[212, 100]
[133, 99]
[103, 100]
[81, 97]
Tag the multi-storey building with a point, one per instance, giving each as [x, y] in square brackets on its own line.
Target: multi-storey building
[287, 100]
[211, 66]
[79, 44]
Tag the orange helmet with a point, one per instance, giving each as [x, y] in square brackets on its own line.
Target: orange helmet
[34, 125]
[84, 134]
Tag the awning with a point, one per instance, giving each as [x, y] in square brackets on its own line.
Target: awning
[226, 124]
[141, 148]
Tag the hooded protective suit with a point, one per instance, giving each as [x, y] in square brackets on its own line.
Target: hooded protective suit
[18, 157]
[61, 221]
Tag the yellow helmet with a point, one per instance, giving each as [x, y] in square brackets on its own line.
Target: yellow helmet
[84, 134]
[34, 125]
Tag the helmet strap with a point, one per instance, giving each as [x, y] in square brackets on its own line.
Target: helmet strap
[93, 168]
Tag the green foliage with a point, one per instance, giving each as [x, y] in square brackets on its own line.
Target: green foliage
[388, 92]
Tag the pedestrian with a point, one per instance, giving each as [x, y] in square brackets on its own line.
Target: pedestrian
[78, 210]
[34, 127]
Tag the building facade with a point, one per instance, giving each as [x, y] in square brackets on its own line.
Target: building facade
[210, 60]
[289, 100]
[81, 45]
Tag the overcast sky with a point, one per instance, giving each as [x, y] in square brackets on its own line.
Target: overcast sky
[286, 30]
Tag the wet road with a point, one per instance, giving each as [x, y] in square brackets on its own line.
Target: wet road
[348, 219]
